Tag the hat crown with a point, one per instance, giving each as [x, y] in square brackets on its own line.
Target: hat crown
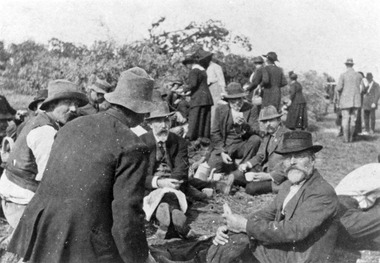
[234, 88]
[272, 56]
[268, 113]
[162, 110]
[298, 141]
[258, 59]
[349, 61]
[59, 86]
[41, 94]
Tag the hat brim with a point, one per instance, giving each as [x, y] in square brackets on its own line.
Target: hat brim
[138, 106]
[33, 105]
[314, 148]
[271, 117]
[65, 95]
[97, 89]
[349, 63]
[234, 96]
[188, 61]
[6, 116]
[160, 116]
[274, 60]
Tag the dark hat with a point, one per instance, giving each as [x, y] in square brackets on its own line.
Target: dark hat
[133, 91]
[268, 113]
[198, 57]
[162, 111]
[40, 97]
[234, 91]
[258, 60]
[100, 86]
[297, 141]
[349, 61]
[272, 56]
[369, 75]
[292, 75]
[6, 110]
[61, 89]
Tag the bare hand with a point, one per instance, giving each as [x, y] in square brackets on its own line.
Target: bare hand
[240, 120]
[226, 158]
[243, 167]
[221, 237]
[169, 182]
[235, 223]
[373, 105]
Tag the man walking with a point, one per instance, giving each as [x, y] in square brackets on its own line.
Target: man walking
[348, 89]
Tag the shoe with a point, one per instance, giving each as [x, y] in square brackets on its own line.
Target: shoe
[179, 222]
[163, 217]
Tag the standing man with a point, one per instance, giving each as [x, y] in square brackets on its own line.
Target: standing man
[88, 207]
[217, 83]
[370, 100]
[29, 155]
[277, 80]
[348, 89]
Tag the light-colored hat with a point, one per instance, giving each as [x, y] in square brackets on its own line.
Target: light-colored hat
[162, 111]
[234, 91]
[100, 86]
[61, 89]
[268, 113]
[133, 91]
[349, 61]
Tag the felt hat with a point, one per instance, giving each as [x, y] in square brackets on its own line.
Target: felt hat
[369, 75]
[200, 56]
[258, 60]
[268, 113]
[100, 86]
[349, 61]
[161, 111]
[62, 89]
[234, 91]
[272, 56]
[292, 75]
[297, 141]
[40, 97]
[6, 110]
[133, 91]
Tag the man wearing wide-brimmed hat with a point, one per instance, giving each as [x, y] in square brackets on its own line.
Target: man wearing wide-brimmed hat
[348, 90]
[27, 160]
[235, 130]
[95, 95]
[88, 208]
[272, 91]
[265, 166]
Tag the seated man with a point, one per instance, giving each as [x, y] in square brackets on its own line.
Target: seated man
[266, 171]
[167, 175]
[235, 131]
[359, 195]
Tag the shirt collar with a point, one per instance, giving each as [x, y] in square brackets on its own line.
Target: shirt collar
[197, 66]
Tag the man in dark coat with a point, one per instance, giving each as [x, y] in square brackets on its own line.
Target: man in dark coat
[88, 207]
[277, 80]
[259, 79]
[370, 100]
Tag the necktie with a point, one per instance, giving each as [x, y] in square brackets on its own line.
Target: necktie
[160, 151]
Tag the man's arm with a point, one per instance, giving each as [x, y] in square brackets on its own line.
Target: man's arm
[259, 157]
[253, 126]
[256, 80]
[216, 132]
[192, 81]
[339, 86]
[181, 161]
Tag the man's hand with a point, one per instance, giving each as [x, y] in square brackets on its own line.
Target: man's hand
[244, 167]
[235, 223]
[240, 120]
[226, 158]
[373, 105]
[169, 182]
[261, 176]
[221, 237]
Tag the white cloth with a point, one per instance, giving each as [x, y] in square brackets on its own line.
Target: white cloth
[40, 141]
[197, 66]
[138, 130]
[363, 184]
[215, 75]
[292, 192]
[152, 200]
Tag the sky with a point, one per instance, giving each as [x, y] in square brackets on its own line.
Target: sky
[306, 34]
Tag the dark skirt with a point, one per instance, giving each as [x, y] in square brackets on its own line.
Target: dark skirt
[297, 117]
[199, 122]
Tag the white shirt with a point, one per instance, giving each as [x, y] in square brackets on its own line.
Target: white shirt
[215, 75]
[293, 191]
[40, 141]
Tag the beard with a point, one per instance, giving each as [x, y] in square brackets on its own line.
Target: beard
[296, 175]
[162, 135]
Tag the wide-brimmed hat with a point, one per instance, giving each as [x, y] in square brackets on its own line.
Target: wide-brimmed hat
[40, 97]
[234, 91]
[268, 113]
[100, 86]
[297, 141]
[133, 91]
[62, 89]
[200, 56]
[292, 75]
[162, 111]
[258, 60]
[6, 110]
[349, 61]
[272, 56]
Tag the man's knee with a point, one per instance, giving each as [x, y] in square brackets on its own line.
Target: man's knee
[258, 188]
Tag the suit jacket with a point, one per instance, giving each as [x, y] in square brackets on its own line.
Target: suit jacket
[371, 96]
[349, 89]
[296, 95]
[176, 156]
[197, 85]
[308, 217]
[88, 207]
[270, 161]
[272, 91]
[219, 130]
[260, 77]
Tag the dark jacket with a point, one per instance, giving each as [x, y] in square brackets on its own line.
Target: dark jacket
[309, 215]
[219, 130]
[88, 207]
[371, 97]
[260, 77]
[296, 95]
[176, 155]
[272, 91]
[197, 85]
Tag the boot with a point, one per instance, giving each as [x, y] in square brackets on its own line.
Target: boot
[163, 217]
[179, 222]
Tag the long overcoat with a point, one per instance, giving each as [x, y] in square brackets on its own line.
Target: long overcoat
[272, 92]
[88, 207]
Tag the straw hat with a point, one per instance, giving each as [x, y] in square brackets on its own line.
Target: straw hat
[297, 141]
[349, 61]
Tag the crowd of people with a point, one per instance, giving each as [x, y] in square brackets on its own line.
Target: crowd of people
[82, 174]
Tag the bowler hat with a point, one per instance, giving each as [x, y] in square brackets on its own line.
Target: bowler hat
[258, 60]
[297, 141]
[6, 110]
[133, 91]
[161, 111]
[268, 113]
[100, 86]
[349, 61]
[272, 56]
[233, 91]
[61, 89]
[40, 97]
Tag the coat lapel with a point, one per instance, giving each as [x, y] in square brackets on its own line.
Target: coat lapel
[171, 146]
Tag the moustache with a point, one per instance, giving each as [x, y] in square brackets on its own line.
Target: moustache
[163, 132]
[287, 170]
[71, 116]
